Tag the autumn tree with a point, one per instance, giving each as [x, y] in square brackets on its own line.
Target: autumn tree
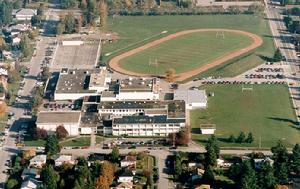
[3, 109]
[128, 4]
[103, 13]
[108, 171]
[29, 153]
[40, 134]
[101, 183]
[2, 43]
[61, 132]
[170, 75]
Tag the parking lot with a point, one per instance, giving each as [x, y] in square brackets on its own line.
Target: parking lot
[74, 56]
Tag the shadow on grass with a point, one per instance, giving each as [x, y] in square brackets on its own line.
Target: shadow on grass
[284, 120]
[265, 58]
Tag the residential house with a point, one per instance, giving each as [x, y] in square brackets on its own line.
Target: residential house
[32, 173]
[126, 176]
[128, 161]
[64, 159]
[24, 14]
[30, 184]
[125, 185]
[38, 161]
[258, 162]
[223, 163]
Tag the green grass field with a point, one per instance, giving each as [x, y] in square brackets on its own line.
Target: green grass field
[266, 112]
[135, 31]
[185, 52]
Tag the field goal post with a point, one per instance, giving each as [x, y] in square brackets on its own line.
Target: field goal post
[220, 34]
[210, 127]
[247, 88]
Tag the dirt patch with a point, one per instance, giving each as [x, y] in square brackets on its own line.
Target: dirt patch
[257, 41]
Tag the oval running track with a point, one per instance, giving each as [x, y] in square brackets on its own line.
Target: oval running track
[257, 41]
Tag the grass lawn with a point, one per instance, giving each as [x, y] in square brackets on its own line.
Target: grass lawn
[99, 139]
[266, 112]
[135, 31]
[69, 142]
[186, 52]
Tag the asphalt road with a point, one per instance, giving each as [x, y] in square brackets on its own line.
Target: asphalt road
[9, 147]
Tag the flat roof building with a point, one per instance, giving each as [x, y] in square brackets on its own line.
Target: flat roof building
[193, 98]
[75, 84]
[51, 120]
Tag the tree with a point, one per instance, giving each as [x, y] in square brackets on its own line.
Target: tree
[5, 12]
[52, 146]
[66, 4]
[177, 166]
[277, 55]
[61, 132]
[39, 134]
[3, 109]
[49, 177]
[103, 13]
[266, 178]
[210, 156]
[296, 159]
[69, 22]
[45, 74]
[101, 183]
[108, 171]
[212, 141]
[170, 75]
[249, 138]
[115, 155]
[25, 47]
[231, 139]
[241, 138]
[208, 176]
[11, 183]
[29, 153]
[248, 179]
[60, 29]
[182, 137]
[281, 162]
[128, 4]
[2, 44]
[83, 175]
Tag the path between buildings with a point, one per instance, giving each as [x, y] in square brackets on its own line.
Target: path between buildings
[257, 41]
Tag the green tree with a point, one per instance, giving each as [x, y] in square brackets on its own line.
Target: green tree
[52, 146]
[266, 178]
[296, 159]
[69, 22]
[11, 183]
[83, 174]
[249, 138]
[210, 156]
[248, 178]
[277, 55]
[212, 141]
[231, 139]
[67, 4]
[241, 138]
[208, 176]
[36, 20]
[178, 166]
[49, 177]
[5, 12]
[25, 46]
[281, 162]
[115, 155]
[45, 74]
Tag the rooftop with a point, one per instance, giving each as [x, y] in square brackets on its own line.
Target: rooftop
[58, 117]
[191, 96]
[98, 79]
[138, 85]
[76, 81]
[143, 119]
[89, 119]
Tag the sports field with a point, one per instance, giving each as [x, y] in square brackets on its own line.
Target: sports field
[266, 112]
[185, 52]
[135, 31]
